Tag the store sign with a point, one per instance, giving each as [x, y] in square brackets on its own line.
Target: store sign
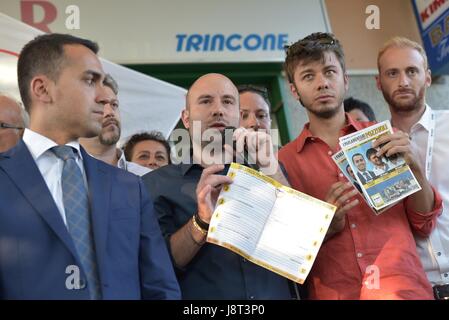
[173, 31]
[433, 22]
[232, 42]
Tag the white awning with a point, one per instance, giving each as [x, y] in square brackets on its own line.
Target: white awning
[146, 103]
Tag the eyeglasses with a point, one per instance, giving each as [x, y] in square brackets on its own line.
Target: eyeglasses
[9, 126]
[311, 42]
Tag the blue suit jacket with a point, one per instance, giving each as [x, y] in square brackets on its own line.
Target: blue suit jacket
[363, 179]
[36, 248]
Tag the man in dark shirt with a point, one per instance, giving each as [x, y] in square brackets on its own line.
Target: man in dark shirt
[184, 196]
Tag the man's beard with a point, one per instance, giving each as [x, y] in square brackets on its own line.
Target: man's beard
[327, 112]
[406, 106]
[110, 138]
[213, 140]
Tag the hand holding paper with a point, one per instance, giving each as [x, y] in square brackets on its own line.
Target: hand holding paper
[340, 195]
[269, 224]
[207, 190]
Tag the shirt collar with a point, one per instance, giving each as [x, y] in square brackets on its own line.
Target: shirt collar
[350, 127]
[121, 163]
[39, 144]
[425, 119]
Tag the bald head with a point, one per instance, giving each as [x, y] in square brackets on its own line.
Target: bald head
[212, 102]
[208, 82]
[11, 118]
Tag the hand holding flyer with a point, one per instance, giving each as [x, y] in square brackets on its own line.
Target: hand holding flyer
[382, 180]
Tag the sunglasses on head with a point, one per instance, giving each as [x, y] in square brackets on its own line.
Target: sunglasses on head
[308, 44]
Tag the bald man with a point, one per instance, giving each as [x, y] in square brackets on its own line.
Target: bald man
[184, 197]
[12, 122]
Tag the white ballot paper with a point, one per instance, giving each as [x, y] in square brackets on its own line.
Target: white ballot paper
[274, 226]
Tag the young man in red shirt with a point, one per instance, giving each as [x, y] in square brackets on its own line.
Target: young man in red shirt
[365, 256]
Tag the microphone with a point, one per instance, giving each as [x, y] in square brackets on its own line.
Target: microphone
[226, 136]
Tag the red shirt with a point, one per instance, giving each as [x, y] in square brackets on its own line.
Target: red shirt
[374, 257]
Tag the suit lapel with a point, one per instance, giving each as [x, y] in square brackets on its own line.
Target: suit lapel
[20, 166]
[362, 177]
[99, 185]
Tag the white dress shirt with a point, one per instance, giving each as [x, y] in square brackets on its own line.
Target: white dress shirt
[434, 251]
[380, 170]
[50, 165]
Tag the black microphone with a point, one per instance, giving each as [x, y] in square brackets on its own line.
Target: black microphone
[226, 136]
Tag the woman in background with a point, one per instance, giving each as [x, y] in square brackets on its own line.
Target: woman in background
[149, 149]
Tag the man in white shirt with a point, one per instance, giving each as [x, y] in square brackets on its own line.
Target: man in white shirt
[380, 167]
[403, 78]
[103, 147]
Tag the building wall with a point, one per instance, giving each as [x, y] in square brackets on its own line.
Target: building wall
[361, 44]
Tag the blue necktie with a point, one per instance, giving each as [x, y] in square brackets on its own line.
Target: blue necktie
[76, 207]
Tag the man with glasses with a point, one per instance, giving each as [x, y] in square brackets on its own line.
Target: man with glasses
[254, 107]
[364, 256]
[12, 122]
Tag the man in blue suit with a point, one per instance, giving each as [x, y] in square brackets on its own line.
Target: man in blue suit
[72, 227]
[364, 175]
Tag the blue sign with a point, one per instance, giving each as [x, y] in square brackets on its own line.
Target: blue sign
[433, 22]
